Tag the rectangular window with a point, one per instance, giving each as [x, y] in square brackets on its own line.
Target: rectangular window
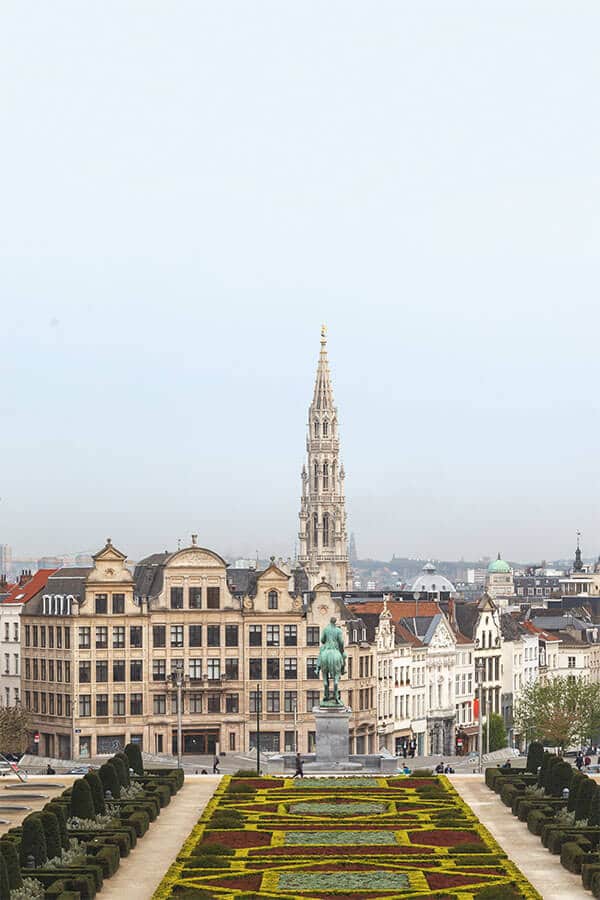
[159, 704]
[232, 703]
[195, 703]
[85, 671]
[85, 704]
[571, 662]
[136, 669]
[195, 635]
[59, 636]
[136, 706]
[232, 740]
[312, 700]
[101, 637]
[102, 670]
[290, 635]
[59, 704]
[272, 635]
[42, 635]
[28, 635]
[273, 701]
[36, 670]
[231, 636]
[118, 637]
[68, 706]
[42, 699]
[159, 671]
[195, 597]
[255, 669]
[232, 669]
[85, 637]
[36, 701]
[135, 636]
[290, 701]
[118, 670]
[273, 600]
[272, 668]
[35, 635]
[289, 741]
[67, 671]
[27, 699]
[176, 598]
[101, 704]
[213, 636]
[213, 597]
[118, 704]
[118, 605]
[67, 637]
[43, 669]
[50, 702]
[213, 701]
[101, 604]
[290, 667]
[195, 669]
[213, 667]
[50, 635]
[59, 670]
[27, 670]
[312, 636]
[311, 667]
[159, 636]
[176, 635]
[255, 701]
[255, 635]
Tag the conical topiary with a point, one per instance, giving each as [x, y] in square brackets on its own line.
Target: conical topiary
[4, 882]
[82, 804]
[547, 783]
[33, 842]
[97, 792]
[561, 775]
[544, 766]
[51, 833]
[8, 849]
[124, 758]
[61, 816]
[576, 782]
[134, 755]
[594, 817]
[110, 780]
[122, 770]
[535, 756]
[584, 799]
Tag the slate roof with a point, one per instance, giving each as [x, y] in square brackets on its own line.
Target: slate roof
[148, 574]
[466, 615]
[62, 581]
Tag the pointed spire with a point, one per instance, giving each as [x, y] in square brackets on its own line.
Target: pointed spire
[578, 565]
[323, 396]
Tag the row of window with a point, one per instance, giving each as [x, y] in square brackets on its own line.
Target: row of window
[48, 670]
[48, 704]
[15, 636]
[36, 636]
[213, 597]
[117, 604]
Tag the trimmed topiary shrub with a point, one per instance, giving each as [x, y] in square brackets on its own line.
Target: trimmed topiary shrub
[123, 757]
[82, 804]
[573, 853]
[134, 755]
[547, 783]
[33, 841]
[60, 811]
[594, 816]
[585, 794]
[110, 780]
[4, 882]
[535, 757]
[121, 769]
[576, 782]
[560, 778]
[8, 849]
[97, 792]
[51, 833]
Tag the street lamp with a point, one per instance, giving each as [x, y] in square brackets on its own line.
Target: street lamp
[479, 670]
[176, 679]
[258, 705]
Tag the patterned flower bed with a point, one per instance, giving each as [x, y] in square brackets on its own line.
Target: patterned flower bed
[331, 839]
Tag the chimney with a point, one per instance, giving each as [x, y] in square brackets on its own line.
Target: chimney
[451, 611]
[3, 582]
[25, 576]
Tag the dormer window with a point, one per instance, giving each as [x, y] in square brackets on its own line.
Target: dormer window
[273, 600]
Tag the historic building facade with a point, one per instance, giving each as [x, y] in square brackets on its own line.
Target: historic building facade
[100, 646]
[323, 539]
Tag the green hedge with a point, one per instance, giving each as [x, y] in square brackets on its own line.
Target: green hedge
[573, 854]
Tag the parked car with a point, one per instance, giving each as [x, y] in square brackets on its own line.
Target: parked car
[80, 770]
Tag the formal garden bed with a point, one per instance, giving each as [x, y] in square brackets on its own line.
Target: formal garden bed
[337, 838]
[76, 841]
[559, 805]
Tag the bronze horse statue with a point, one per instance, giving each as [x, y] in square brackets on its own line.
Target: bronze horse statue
[331, 663]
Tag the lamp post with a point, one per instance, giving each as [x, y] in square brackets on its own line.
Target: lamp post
[258, 701]
[295, 726]
[479, 669]
[176, 678]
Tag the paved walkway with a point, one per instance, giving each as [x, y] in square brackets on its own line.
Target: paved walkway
[543, 870]
[141, 872]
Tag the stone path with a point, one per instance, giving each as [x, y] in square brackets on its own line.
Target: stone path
[543, 870]
[141, 872]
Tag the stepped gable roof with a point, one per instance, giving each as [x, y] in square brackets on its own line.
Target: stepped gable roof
[148, 574]
[23, 593]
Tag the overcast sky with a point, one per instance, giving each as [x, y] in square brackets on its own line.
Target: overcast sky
[188, 189]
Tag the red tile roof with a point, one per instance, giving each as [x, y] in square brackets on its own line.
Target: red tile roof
[22, 593]
[398, 609]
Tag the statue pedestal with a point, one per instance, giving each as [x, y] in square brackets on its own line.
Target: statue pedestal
[331, 739]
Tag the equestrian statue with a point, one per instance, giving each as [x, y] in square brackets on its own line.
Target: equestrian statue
[331, 663]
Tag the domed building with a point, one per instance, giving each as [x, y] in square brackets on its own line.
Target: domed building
[430, 582]
[499, 582]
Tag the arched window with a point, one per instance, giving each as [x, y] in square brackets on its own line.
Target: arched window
[315, 530]
[273, 600]
[325, 428]
[308, 535]
[325, 476]
[316, 477]
[326, 530]
[316, 428]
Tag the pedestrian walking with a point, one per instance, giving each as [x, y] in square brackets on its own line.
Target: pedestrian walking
[579, 760]
[216, 765]
[299, 770]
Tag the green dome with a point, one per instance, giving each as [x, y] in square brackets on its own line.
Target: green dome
[499, 567]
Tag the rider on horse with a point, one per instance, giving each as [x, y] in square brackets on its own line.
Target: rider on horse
[332, 661]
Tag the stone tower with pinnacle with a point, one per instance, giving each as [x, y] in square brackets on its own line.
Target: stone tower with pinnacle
[323, 540]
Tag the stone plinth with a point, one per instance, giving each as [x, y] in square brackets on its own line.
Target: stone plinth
[332, 726]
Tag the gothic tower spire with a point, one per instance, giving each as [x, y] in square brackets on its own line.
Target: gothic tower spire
[323, 537]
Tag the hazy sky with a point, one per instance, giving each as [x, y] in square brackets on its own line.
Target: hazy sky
[188, 189]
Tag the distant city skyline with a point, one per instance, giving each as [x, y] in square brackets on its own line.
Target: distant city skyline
[187, 200]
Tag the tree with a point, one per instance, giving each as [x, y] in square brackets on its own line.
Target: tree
[4, 882]
[559, 711]
[15, 727]
[125, 760]
[110, 780]
[134, 755]
[82, 804]
[51, 833]
[9, 851]
[97, 792]
[497, 734]
[33, 842]
[122, 770]
[535, 756]
[560, 777]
